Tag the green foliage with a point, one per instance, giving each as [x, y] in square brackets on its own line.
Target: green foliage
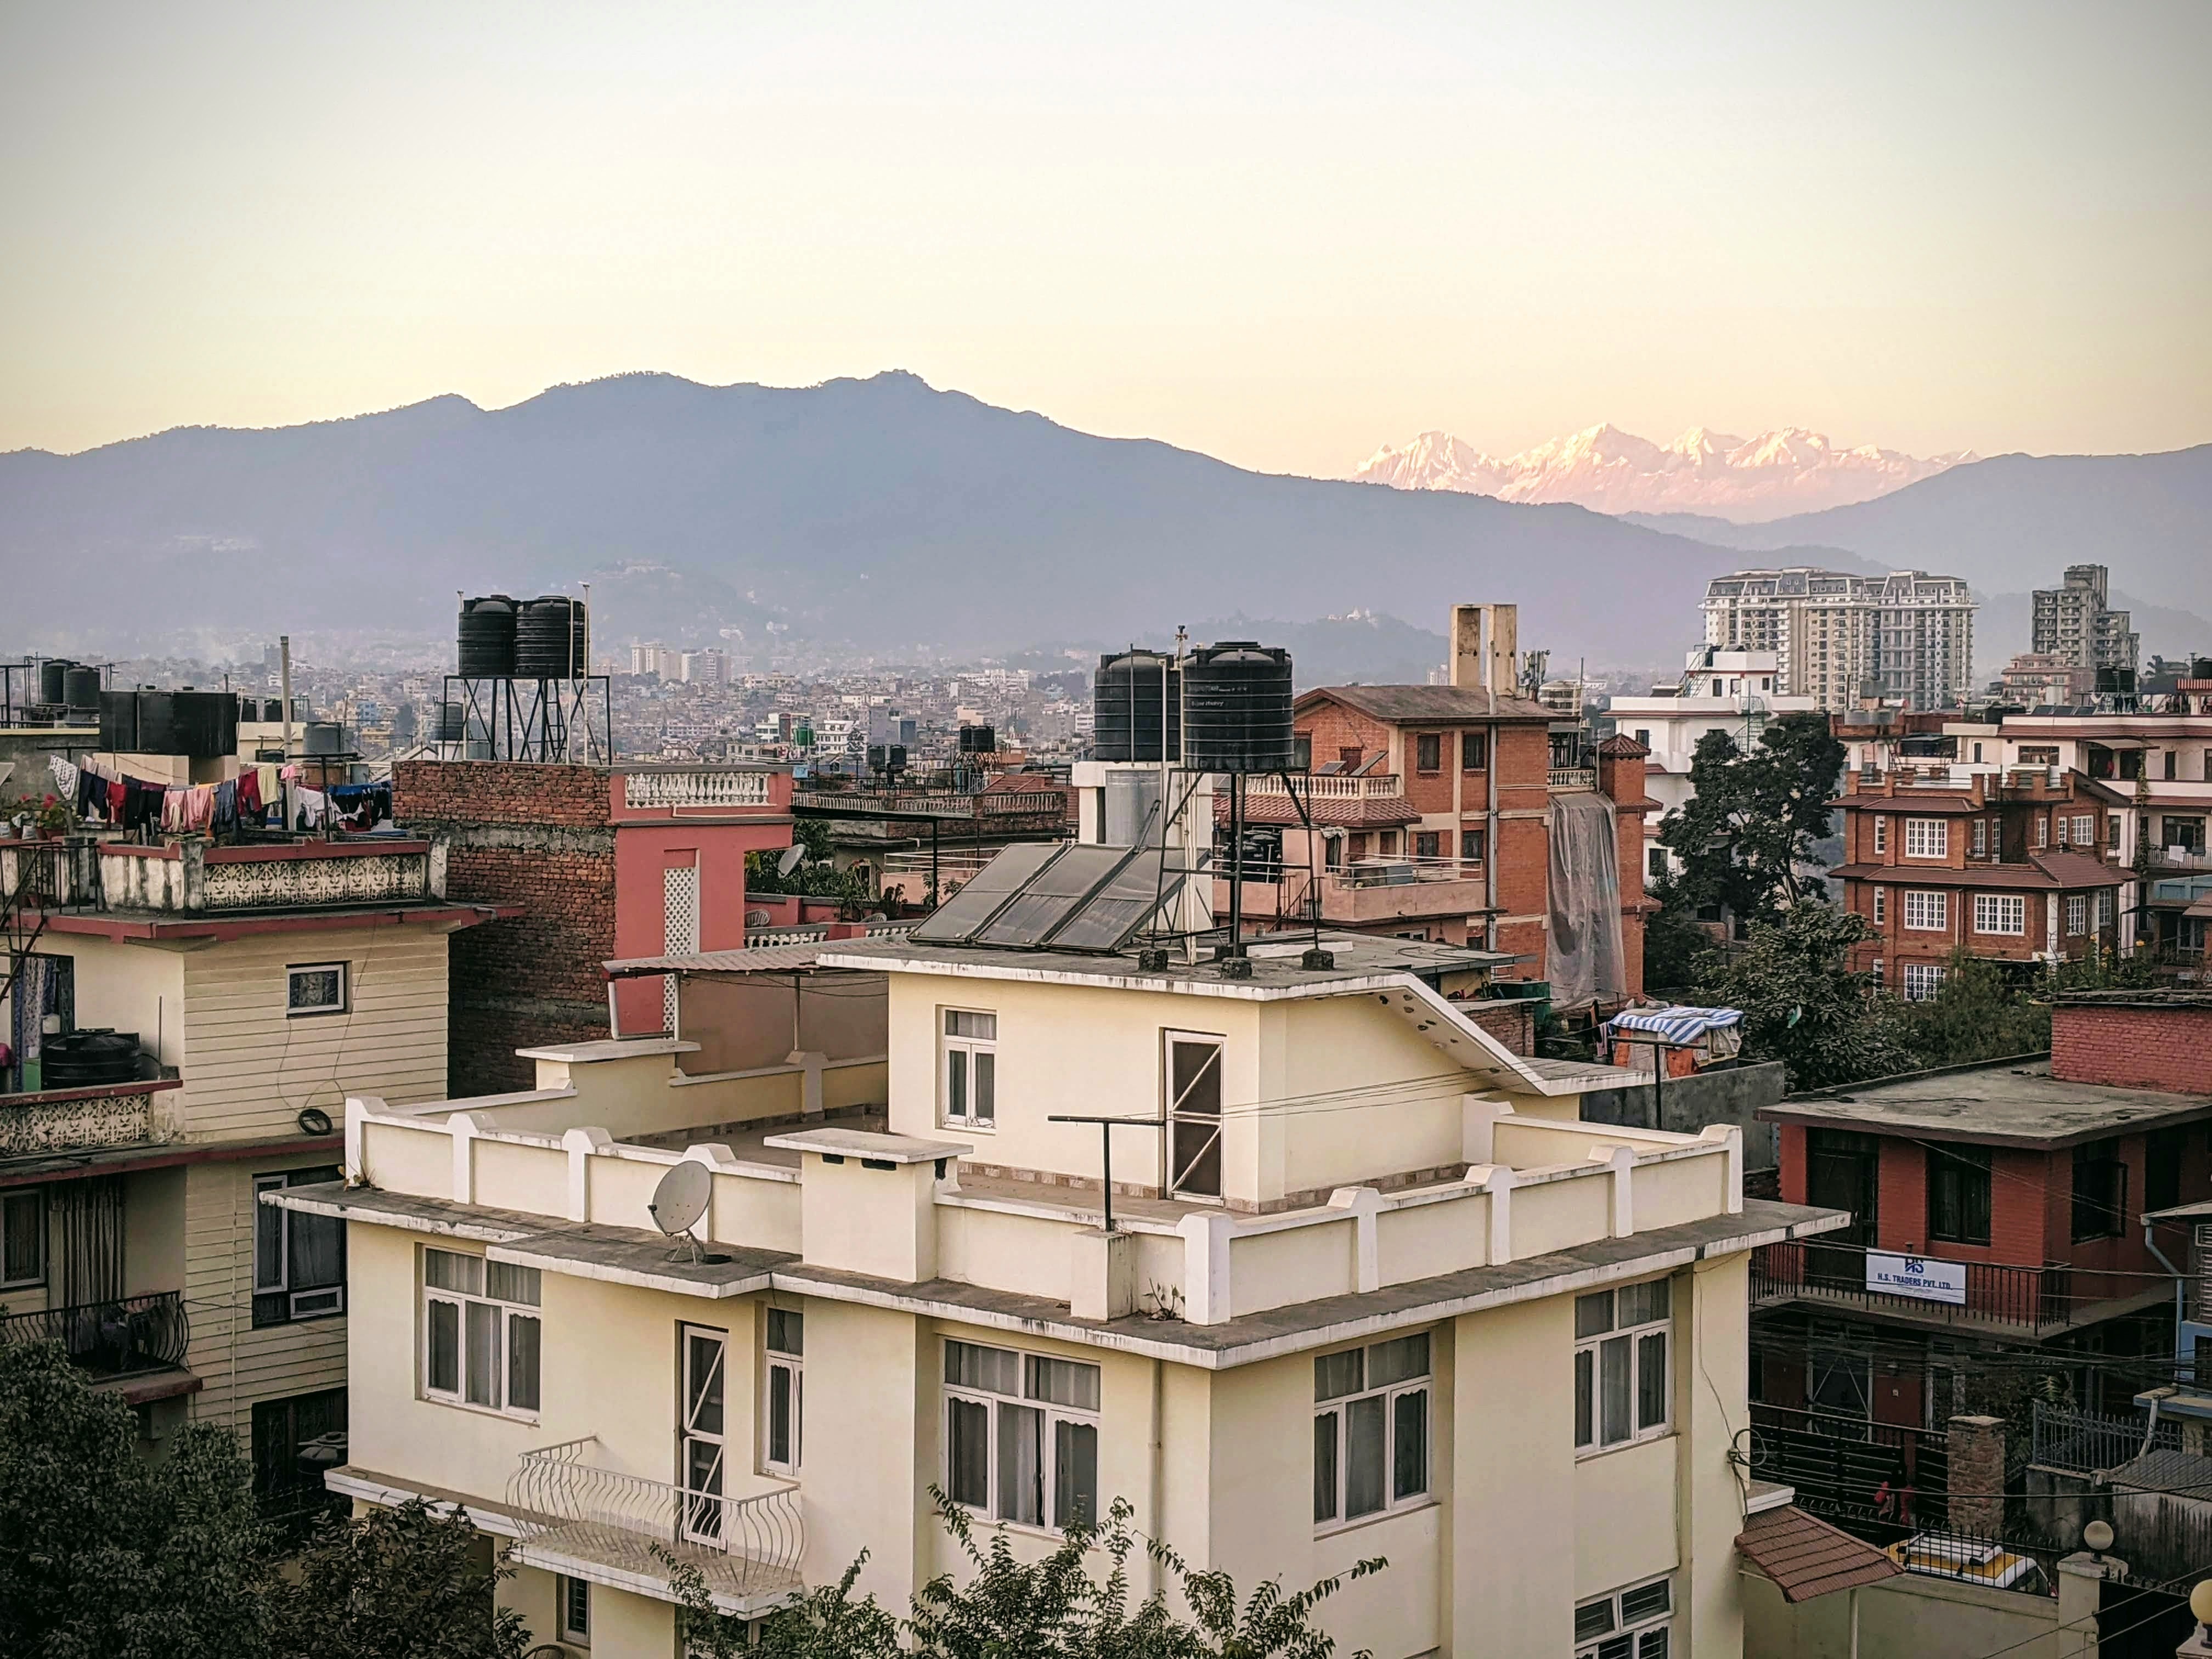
[1755, 816]
[396, 1584]
[1010, 1608]
[1677, 949]
[815, 875]
[1803, 1007]
[104, 1554]
[1979, 1013]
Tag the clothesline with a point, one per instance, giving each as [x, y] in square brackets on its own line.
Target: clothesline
[139, 803]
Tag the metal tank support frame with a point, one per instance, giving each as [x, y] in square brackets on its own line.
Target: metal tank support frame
[560, 722]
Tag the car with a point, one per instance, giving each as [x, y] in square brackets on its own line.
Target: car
[1970, 1561]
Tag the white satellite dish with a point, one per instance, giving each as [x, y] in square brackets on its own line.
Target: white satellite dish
[789, 861]
[680, 1201]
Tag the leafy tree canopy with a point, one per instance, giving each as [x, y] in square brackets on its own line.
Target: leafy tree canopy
[1803, 1007]
[1751, 827]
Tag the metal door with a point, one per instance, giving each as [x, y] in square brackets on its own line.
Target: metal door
[702, 1444]
[1840, 1174]
[1194, 1082]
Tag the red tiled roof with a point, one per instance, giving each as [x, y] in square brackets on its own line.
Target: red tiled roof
[1367, 813]
[1806, 1557]
[1621, 746]
[1428, 705]
[2043, 872]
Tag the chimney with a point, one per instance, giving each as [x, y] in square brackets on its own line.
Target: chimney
[1485, 646]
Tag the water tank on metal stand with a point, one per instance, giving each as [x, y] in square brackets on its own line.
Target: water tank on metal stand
[1236, 702]
[487, 637]
[81, 689]
[451, 722]
[547, 634]
[53, 679]
[206, 724]
[118, 722]
[978, 740]
[1137, 699]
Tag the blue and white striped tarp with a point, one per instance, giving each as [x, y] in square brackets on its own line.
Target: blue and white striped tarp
[1676, 1025]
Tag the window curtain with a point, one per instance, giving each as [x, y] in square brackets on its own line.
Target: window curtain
[89, 1230]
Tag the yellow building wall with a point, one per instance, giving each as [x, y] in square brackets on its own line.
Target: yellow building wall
[1330, 1050]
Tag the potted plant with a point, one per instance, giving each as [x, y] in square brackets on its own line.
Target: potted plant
[52, 818]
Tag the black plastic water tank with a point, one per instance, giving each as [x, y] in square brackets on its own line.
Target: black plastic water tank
[118, 722]
[206, 725]
[80, 687]
[1236, 708]
[1137, 701]
[547, 634]
[451, 722]
[2201, 669]
[323, 738]
[53, 679]
[487, 640]
[86, 1060]
[978, 740]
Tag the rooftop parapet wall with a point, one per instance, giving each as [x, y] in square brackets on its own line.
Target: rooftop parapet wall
[191, 877]
[2141, 1042]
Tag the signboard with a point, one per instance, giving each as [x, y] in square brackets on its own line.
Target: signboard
[1916, 1276]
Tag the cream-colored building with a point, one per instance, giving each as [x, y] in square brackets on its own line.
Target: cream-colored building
[184, 1023]
[1375, 1291]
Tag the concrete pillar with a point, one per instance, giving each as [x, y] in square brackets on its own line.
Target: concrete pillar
[2080, 1587]
[1978, 1470]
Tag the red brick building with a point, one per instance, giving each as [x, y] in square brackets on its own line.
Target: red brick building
[2008, 865]
[1997, 1209]
[606, 862]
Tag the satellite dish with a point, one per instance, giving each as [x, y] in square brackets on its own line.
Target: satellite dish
[789, 861]
[680, 1201]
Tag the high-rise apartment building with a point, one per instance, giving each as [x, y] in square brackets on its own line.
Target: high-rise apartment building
[1838, 637]
[2073, 625]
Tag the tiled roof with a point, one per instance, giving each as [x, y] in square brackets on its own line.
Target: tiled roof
[1363, 812]
[1806, 1557]
[1621, 746]
[1428, 705]
[2043, 871]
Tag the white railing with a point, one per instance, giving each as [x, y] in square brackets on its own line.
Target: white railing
[1571, 777]
[704, 788]
[1380, 786]
[568, 1509]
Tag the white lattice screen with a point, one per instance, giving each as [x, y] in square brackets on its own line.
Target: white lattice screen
[680, 929]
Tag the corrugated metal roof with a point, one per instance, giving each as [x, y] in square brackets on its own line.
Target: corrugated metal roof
[1806, 1557]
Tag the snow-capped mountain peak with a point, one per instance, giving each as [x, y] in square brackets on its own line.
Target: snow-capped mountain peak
[1789, 470]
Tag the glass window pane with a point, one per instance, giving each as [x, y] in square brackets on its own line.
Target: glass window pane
[786, 1331]
[447, 1270]
[779, 1415]
[1593, 1620]
[268, 1239]
[956, 1083]
[703, 1375]
[1364, 1460]
[1074, 1473]
[1021, 1465]
[23, 1257]
[317, 1258]
[482, 1354]
[505, 1282]
[1409, 1444]
[1594, 1314]
[1620, 1647]
[1652, 1644]
[1642, 1304]
[1398, 1361]
[1612, 1390]
[969, 1365]
[443, 1369]
[1648, 1602]
[1064, 1383]
[1336, 1375]
[1325, 1467]
[522, 1334]
[1585, 1397]
[968, 1453]
[987, 1093]
[1652, 1380]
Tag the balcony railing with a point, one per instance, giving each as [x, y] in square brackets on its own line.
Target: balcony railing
[111, 1339]
[569, 1509]
[1571, 777]
[78, 1119]
[1997, 1293]
[191, 876]
[1380, 786]
[706, 786]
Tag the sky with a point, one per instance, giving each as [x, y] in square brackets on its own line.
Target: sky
[1283, 235]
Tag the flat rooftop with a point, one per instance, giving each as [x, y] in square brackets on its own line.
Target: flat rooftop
[2007, 1103]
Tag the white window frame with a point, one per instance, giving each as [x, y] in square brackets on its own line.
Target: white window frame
[2085, 830]
[1633, 1628]
[1880, 833]
[1881, 907]
[1981, 837]
[1192, 1134]
[979, 1106]
[1021, 1396]
[503, 1314]
[1927, 838]
[1932, 907]
[2042, 830]
[273, 1226]
[2077, 915]
[570, 1597]
[2104, 908]
[2000, 916]
[1596, 1354]
[343, 1005]
[1406, 1393]
[1921, 981]
[783, 1349]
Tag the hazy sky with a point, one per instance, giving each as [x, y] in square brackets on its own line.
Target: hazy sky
[1280, 233]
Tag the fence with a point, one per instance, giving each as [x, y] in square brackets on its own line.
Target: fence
[2084, 1443]
[1867, 1477]
[2020, 1298]
[111, 1339]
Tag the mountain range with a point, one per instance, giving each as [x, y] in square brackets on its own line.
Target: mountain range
[1788, 471]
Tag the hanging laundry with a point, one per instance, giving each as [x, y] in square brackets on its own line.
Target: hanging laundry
[173, 810]
[223, 814]
[268, 784]
[313, 804]
[119, 799]
[65, 777]
[248, 792]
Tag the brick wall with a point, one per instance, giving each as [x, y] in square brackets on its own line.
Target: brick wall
[539, 837]
[2141, 1047]
[1512, 1022]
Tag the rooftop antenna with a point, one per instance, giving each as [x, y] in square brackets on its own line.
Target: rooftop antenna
[679, 1203]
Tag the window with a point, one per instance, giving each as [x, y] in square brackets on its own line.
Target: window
[2085, 831]
[2042, 830]
[784, 1422]
[1632, 1623]
[1302, 751]
[1981, 836]
[1928, 912]
[1643, 736]
[1926, 838]
[2162, 1151]
[1999, 912]
[315, 988]
[1881, 907]
[1922, 980]
[282, 1430]
[1959, 1194]
[1880, 833]
[480, 1332]
[970, 1079]
[1428, 844]
[23, 1237]
[2039, 755]
[574, 1597]
[1429, 752]
[2104, 909]
[2112, 831]
[2173, 771]
[1621, 1364]
[299, 1260]
[1370, 1430]
[1194, 1109]
[1474, 751]
[2077, 913]
[2100, 1190]
[1473, 845]
[703, 1439]
[1656, 858]
[1021, 1435]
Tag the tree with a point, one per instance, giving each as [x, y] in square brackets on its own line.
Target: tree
[1010, 1608]
[406, 1582]
[815, 874]
[1676, 948]
[104, 1554]
[1803, 1007]
[1755, 821]
[1977, 1013]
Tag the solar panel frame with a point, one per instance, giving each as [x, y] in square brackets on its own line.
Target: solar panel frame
[991, 889]
[1052, 895]
[1134, 894]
